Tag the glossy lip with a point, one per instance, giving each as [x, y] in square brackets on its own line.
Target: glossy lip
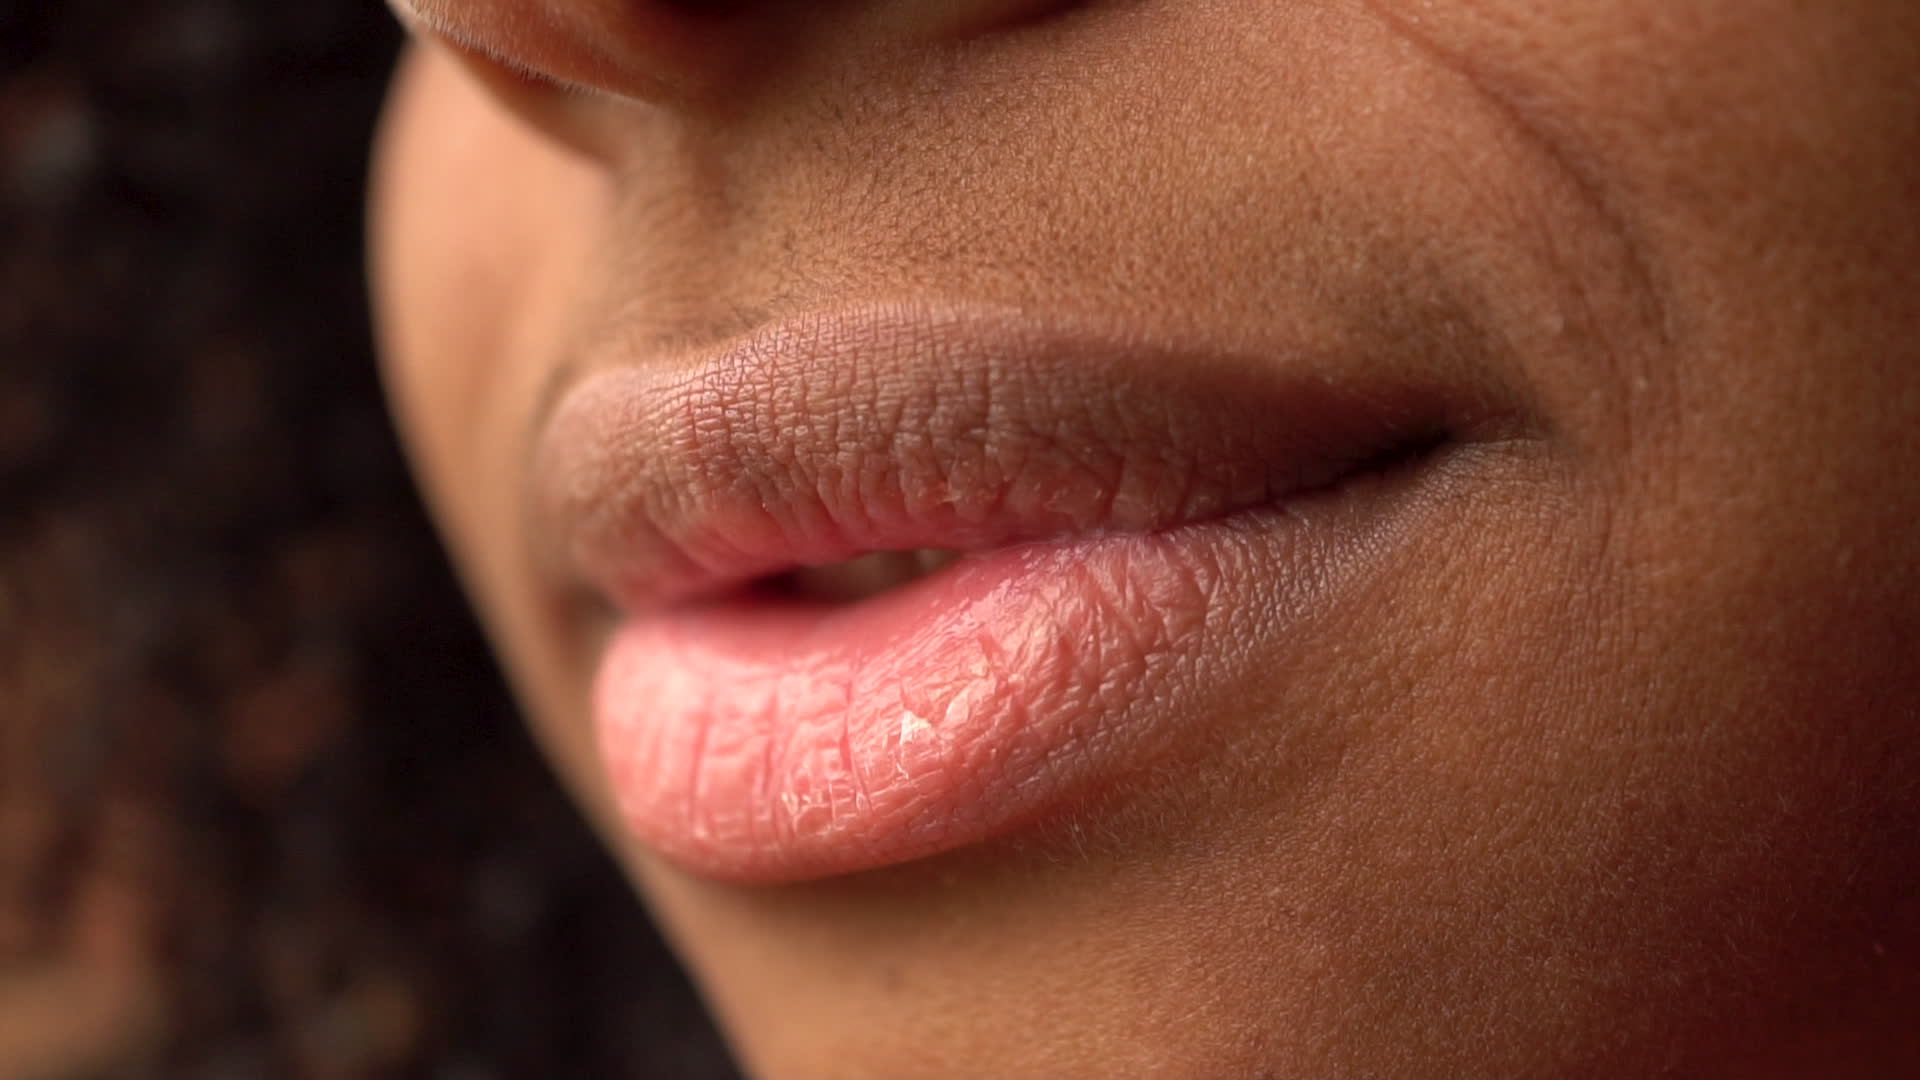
[1133, 513]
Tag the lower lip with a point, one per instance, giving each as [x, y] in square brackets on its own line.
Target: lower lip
[765, 740]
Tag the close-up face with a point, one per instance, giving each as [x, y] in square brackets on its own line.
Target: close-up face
[1200, 537]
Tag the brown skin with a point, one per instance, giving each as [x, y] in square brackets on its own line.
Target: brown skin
[1605, 769]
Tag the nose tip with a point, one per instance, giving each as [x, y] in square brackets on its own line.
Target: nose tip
[642, 49]
[666, 50]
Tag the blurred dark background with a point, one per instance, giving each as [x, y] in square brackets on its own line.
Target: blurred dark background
[247, 726]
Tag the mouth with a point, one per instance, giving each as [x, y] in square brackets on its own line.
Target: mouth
[896, 580]
[860, 578]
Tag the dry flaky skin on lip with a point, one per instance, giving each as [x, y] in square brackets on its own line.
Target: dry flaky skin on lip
[779, 743]
[900, 428]
[1114, 521]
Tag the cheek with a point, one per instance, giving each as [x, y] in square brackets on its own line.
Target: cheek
[1744, 636]
[472, 287]
[446, 286]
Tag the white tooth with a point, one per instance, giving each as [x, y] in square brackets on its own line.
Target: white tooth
[882, 570]
[868, 575]
[928, 560]
[855, 579]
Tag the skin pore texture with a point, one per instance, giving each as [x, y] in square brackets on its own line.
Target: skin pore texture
[1592, 755]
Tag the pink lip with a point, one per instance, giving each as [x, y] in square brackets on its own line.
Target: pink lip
[1133, 517]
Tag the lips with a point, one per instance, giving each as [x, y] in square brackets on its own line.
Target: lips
[899, 579]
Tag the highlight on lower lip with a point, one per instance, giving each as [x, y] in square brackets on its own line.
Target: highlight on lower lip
[755, 744]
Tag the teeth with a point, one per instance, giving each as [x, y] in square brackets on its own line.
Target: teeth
[868, 575]
[927, 560]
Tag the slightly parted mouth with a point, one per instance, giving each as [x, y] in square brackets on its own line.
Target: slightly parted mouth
[859, 578]
[893, 580]
[875, 573]
[829, 458]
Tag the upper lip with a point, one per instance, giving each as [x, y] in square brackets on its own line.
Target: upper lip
[893, 427]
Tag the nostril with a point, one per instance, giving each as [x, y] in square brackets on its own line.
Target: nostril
[970, 18]
[707, 7]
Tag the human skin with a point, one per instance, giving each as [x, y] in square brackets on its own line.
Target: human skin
[1601, 762]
